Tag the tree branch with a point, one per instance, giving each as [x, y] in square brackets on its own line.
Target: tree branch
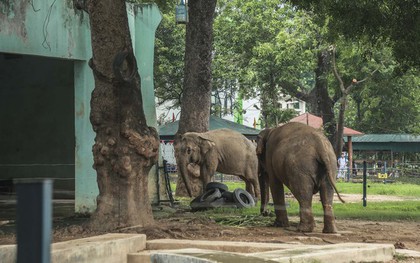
[292, 89]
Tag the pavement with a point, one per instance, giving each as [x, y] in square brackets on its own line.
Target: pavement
[135, 248]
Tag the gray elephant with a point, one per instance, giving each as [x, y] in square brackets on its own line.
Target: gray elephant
[302, 158]
[223, 150]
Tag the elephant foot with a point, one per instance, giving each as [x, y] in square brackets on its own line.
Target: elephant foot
[306, 227]
[265, 213]
[329, 229]
[284, 223]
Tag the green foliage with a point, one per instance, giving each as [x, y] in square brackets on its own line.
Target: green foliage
[388, 105]
[375, 21]
[259, 46]
[169, 59]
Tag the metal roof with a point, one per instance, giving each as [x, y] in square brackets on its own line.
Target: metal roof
[387, 142]
[387, 138]
[167, 131]
[316, 122]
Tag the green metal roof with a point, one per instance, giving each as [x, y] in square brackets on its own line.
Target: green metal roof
[167, 131]
[387, 142]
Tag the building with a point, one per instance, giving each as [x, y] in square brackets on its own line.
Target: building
[45, 88]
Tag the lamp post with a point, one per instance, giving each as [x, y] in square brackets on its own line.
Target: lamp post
[181, 13]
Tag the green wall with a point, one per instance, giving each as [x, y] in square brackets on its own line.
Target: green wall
[51, 30]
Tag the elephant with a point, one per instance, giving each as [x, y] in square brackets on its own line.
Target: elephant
[303, 159]
[222, 150]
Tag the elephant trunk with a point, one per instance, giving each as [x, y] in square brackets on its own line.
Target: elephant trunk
[184, 174]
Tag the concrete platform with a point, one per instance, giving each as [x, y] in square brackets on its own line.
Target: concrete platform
[180, 251]
[133, 248]
[98, 249]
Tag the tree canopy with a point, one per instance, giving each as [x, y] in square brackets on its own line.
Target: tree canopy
[268, 48]
[377, 20]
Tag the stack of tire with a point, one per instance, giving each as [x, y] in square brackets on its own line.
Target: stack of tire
[217, 195]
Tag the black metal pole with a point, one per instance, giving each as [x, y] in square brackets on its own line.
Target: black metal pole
[34, 212]
[364, 183]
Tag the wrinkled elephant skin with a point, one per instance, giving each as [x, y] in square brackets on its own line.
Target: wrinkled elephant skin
[302, 158]
[223, 150]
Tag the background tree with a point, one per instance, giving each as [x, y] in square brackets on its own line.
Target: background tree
[254, 49]
[169, 59]
[195, 101]
[125, 147]
[376, 21]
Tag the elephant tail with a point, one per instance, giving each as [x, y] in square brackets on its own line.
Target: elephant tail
[329, 160]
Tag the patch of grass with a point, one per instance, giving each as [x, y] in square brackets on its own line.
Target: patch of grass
[374, 188]
[375, 211]
[397, 188]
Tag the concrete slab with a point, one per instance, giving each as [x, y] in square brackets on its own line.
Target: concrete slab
[219, 251]
[240, 247]
[338, 253]
[98, 249]
[196, 255]
[408, 253]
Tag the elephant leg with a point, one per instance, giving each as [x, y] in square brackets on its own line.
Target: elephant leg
[265, 193]
[327, 195]
[249, 188]
[253, 187]
[307, 222]
[277, 192]
[206, 174]
[256, 186]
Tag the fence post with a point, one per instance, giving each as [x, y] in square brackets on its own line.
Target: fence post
[34, 212]
[364, 182]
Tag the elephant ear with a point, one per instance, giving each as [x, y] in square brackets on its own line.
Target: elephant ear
[206, 143]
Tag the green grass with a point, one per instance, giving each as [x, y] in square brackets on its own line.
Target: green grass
[374, 211]
[397, 188]
[378, 211]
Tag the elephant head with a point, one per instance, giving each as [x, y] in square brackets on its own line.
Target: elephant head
[193, 150]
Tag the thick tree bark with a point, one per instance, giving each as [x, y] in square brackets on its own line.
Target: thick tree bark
[195, 105]
[125, 147]
[325, 105]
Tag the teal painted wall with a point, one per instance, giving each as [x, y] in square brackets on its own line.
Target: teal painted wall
[54, 29]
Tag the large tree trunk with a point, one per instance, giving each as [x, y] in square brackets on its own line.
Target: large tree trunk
[125, 147]
[195, 105]
[325, 105]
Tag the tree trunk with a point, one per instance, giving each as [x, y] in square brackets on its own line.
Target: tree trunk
[125, 147]
[325, 105]
[195, 105]
[340, 127]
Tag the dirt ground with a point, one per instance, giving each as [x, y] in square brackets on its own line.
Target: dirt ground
[182, 224]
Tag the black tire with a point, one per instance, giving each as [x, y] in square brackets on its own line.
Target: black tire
[222, 187]
[211, 195]
[222, 202]
[243, 199]
[197, 205]
[228, 196]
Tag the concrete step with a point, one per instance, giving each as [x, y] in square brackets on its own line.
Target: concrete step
[182, 251]
[97, 249]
